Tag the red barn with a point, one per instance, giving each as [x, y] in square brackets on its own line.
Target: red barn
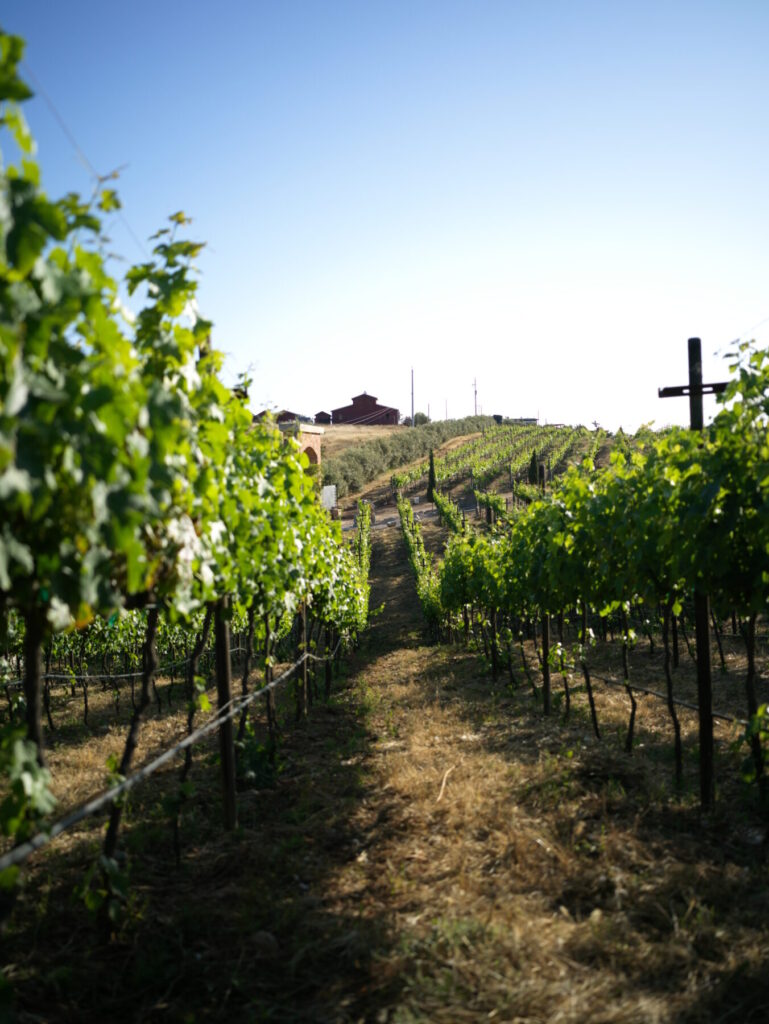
[280, 416]
[365, 410]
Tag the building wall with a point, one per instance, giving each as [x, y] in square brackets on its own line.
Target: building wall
[308, 436]
[311, 445]
[366, 410]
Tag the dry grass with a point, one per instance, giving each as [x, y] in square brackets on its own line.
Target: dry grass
[545, 879]
[337, 437]
[429, 849]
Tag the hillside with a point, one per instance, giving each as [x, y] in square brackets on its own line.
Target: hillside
[365, 457]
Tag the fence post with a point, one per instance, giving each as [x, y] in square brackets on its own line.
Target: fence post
[329, 644]
[695, 390]
[224, 696]
[301, 684]
[702, 609]
[546, 663]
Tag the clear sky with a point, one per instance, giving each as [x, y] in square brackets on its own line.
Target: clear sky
[547, 197]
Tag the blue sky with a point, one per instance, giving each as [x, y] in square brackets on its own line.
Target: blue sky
[548, 197]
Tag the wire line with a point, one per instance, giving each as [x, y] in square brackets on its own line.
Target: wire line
[21, 852]
[98, 179]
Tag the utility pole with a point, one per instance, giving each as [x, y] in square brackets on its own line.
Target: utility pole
[475, 396]
[412, 396]
[695, 389]
[428, 410]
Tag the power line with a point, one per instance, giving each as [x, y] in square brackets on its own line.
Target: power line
[99, 179]
[62, 123]
[750, 330]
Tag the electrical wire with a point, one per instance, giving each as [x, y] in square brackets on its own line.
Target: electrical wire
[98, 179]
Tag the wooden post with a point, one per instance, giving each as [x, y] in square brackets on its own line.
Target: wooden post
[704, 698]
[696, 419]
[329, 637]
[226, 730]
[149, 668]
[302, 687]
[702, 609]
[494, 647]
[546, 664]
[34, 637]
[695, 390]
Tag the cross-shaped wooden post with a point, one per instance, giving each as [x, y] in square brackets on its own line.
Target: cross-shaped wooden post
[695, 389]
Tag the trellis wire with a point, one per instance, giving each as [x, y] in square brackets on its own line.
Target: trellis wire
[723, 716]
[105, 677]
[233, 707]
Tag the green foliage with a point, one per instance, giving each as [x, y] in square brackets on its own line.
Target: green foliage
[428, 583]
[256, 763]
[681, 512]
[756, 729]
[449, 512]
[29, 799]
[105, 892]
[129, 474]
[356, 466]
[127, 470]
[487, 499]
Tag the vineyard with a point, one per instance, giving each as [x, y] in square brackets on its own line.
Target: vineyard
[258, 769]
[621, 550]
[500, 450]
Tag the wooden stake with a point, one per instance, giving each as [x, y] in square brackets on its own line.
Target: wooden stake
[546, 664]
[701, 611]
[226, 730]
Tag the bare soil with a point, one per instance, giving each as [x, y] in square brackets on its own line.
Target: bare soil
[428, 848]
